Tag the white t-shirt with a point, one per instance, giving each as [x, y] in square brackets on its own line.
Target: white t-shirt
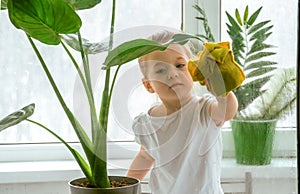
[187, 149]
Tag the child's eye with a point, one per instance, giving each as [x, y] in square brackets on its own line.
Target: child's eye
[180, 65]
[160, 71]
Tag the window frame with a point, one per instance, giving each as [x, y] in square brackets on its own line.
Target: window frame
[285, 139]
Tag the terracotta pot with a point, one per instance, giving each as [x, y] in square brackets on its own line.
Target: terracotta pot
[133, 188]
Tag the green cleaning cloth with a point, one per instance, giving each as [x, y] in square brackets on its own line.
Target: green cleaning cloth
[216, 64]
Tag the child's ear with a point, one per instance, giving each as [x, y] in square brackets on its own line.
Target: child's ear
[148, 86]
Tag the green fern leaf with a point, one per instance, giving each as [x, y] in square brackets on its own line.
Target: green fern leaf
[258, 26]
[238, 17]
[260, 71]
[258, 46]
[254, 16]
[259, 64]
[200, 18]
[203, 18]
[259, 56]
[246, 14]
[233, 23]
[261, 34]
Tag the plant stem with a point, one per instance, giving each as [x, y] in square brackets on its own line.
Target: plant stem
[100, 165]
[86, 66]
[113, 83]
[83, 138]
[93, 113]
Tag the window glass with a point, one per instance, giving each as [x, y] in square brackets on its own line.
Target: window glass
[23, 80]
[283, 16]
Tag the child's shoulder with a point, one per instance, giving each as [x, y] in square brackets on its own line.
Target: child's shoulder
[157, 111]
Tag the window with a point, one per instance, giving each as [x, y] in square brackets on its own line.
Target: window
[284, 31]
[23, 80]
[286, 55]
[32, 85]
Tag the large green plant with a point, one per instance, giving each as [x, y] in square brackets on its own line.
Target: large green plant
[47, 21]
[251, 52]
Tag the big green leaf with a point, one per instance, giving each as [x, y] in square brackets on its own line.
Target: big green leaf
[131, 50]
[136, 48]
[44, 20]
[17, 117]
[83, 4]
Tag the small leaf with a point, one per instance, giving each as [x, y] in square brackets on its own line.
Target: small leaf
[17, 117]
[44, 20]
[246, 15]
[88, 47]
[261, 34]
[208, 35]
[259, 56]
[260, 39]
[199, 9]
[260, 71]
[200, 18]
[260, 64]
[83, 4]
[238, 17]
[259, 47]
[258, 26]
[234, 24]
[254, 16]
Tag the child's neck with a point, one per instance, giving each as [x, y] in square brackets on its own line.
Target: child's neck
[172, 106]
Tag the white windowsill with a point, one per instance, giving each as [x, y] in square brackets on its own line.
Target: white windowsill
[56, 171]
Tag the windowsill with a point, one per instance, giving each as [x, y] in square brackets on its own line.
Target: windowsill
[64, 171]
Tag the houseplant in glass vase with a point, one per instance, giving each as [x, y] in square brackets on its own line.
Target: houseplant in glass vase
[268, 92]
[50, 21]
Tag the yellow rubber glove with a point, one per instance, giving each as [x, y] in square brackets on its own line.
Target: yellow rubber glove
[216, 64]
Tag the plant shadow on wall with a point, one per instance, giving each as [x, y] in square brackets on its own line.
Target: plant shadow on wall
[55, 22]
[267, 94]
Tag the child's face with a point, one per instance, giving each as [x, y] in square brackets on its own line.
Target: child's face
[167, 73]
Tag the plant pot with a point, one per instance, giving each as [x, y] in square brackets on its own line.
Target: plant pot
[253, 141]
[132, 188]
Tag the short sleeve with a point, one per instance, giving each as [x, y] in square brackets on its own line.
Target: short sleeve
[142, 128]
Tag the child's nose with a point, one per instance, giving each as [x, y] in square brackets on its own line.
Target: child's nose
[172, 74]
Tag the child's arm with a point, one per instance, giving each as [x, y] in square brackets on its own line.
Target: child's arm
[141, 165]
[224, 108]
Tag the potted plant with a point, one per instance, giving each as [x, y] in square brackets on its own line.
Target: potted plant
[253, 133]
[48, 21]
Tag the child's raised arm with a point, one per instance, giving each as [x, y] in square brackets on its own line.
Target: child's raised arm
[224, 108]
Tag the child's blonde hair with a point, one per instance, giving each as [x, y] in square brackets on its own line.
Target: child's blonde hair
[163, 37]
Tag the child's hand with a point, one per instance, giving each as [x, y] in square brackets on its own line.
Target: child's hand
[216, 62]
[209, 88]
